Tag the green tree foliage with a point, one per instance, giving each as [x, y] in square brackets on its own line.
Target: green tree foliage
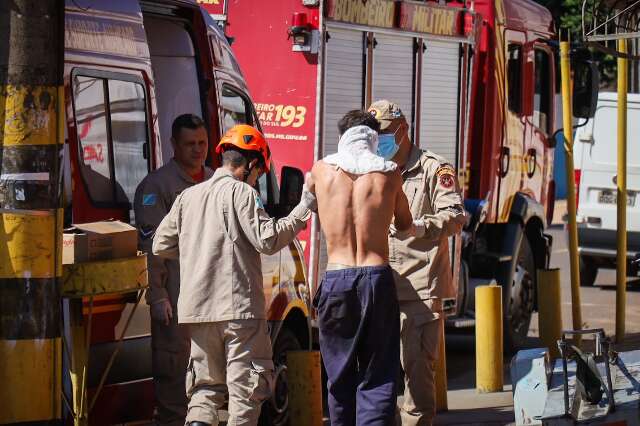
[567, 14]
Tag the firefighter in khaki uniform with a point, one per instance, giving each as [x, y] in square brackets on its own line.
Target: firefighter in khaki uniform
[153, 200]
[218, 229]
[421, 265]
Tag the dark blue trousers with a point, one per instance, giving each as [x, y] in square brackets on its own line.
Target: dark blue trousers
[359, 323]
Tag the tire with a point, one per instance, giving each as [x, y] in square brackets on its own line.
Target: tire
[275, 412]
[518, 281]
[588, 271]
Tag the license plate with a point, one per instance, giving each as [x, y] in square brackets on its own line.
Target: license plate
[609, 197]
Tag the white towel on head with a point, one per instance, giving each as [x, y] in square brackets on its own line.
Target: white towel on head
[357, 150]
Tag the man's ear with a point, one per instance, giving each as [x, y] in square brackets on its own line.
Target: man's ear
[253, 163]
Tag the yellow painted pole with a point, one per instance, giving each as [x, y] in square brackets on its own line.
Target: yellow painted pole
[305, 388]
[489, 338]
[442, 404]
[31, 64]
[621, 260]
[565, 71]
[549, 309]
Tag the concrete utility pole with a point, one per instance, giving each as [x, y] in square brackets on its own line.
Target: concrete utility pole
[31, 134]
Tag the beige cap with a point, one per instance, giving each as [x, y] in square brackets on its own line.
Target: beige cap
[385, 112]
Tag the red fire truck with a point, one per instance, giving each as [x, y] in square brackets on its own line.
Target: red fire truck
[131, 67]
[476, 83]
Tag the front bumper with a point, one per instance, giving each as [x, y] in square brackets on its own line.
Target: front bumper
[598, 242]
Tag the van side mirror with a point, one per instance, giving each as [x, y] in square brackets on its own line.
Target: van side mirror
[586, 81]
[291, 183]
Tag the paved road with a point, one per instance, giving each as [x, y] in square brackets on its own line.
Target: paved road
[598, 310]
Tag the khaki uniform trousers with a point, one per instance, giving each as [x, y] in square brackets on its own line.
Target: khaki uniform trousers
[229, 356]
[170, 355]
[419, 344]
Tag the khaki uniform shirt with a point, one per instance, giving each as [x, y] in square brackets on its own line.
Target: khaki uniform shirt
[153, 200]
[422, 268]
[218, 230]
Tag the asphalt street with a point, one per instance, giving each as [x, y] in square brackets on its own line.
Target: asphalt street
[598, 311]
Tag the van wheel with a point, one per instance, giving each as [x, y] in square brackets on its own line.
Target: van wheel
[518, 296]
[276, 411]
[588, 271]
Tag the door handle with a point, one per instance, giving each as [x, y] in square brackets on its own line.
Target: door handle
[532, 164]
[505, 161]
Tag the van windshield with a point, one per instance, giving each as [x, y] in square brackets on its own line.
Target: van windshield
[604, 150]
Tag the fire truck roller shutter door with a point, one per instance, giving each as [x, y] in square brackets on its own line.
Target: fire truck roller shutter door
[440, 99]
[393, 65]
[439, 102]
[343, 91]
[175, 75]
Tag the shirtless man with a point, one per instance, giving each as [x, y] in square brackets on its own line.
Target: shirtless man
[359, 194]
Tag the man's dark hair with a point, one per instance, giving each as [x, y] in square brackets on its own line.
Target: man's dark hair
[185, 121]
[236, 157]
[233, 158]
[358, 117]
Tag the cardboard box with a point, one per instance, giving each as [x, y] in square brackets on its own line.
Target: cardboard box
[98, 241]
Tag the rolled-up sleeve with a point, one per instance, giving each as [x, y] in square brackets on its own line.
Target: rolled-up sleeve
[266, 234]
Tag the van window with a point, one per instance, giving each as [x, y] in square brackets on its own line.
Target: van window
[236, 109]
[129, 134]
[514, 78]
[542, 94]
[111, 124]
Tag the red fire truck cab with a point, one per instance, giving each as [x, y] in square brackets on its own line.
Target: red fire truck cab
[475, 81]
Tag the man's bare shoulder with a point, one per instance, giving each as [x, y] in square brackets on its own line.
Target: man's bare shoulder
[320, 166]
[393, 177]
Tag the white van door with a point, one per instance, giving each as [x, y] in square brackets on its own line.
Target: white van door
[598, 165]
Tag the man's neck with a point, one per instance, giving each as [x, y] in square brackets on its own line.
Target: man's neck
[402, 157]
[236, 172]
[191, 171]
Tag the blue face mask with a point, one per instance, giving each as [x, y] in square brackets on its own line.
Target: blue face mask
[387, 146]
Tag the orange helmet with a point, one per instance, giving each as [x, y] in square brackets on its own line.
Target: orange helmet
[247, 138]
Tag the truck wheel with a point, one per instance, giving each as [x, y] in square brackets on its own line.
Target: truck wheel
[276, 410]
[518, 296]
[588, 271]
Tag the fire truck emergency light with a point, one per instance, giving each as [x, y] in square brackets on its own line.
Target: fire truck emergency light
[302, 34]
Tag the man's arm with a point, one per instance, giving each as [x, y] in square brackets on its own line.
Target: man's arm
[149, 210]
[402, 214]
[267, 234]
[165, 241]
[449, 216]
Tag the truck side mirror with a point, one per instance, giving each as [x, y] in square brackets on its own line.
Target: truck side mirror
[586, 81]
[291, 183]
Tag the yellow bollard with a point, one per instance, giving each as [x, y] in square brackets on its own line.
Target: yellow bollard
[441, 373]
[305, 388]
[549, 309]
[621, 258]
[489, 338]
[565, 71]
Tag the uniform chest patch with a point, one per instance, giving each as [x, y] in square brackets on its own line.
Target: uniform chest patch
[149, 199]
[446, 176]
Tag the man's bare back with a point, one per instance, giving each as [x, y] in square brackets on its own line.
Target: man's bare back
[356, 211]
